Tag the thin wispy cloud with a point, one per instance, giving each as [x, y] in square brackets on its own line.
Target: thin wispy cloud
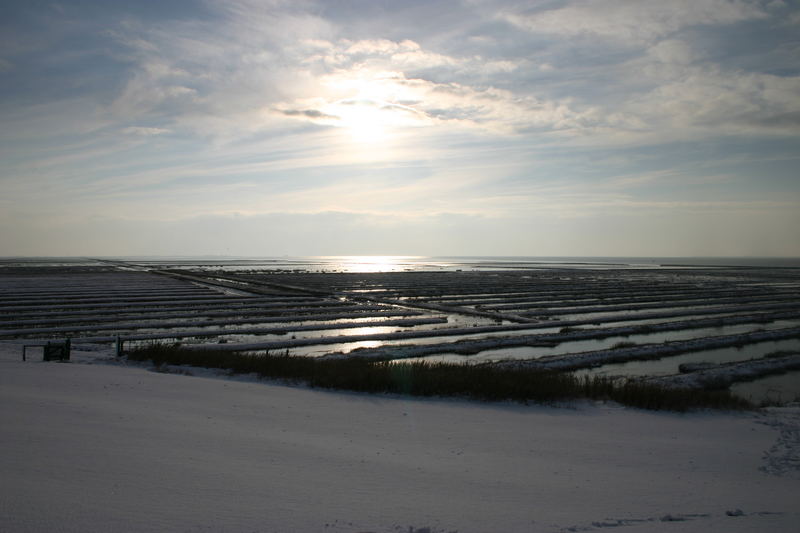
[636, 23]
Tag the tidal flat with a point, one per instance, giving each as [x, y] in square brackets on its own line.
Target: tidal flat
[628, 318]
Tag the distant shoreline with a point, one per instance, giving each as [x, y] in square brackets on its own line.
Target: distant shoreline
[447, 262]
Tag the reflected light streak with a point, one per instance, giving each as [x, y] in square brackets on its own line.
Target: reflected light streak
[372, 263]
[369, 330]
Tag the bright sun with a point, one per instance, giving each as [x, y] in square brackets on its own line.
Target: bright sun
[368, 114]
[365, 123]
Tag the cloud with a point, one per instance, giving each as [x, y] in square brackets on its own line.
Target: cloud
[228, 80]
[424, 102]
[379, 47]
[308, 113]
[406, 55]
[635, 22]
[711, 99]
[154, 87]
[671, 51]
[576, 115]
[178, 81]
[144, 131]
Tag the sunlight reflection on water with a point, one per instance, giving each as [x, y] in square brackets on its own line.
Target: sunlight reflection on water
[372, 263]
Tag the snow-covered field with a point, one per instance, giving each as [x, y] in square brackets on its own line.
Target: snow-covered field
[107, 447]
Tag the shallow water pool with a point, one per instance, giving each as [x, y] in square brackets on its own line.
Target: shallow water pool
[669, 365]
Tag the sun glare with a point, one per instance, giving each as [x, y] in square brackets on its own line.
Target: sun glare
[369, 113]
[365, 125]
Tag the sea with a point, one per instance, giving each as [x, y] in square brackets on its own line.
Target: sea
[398, 263]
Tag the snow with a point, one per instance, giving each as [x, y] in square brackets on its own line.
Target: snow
[108, 447]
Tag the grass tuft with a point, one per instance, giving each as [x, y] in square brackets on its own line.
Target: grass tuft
[481, 382]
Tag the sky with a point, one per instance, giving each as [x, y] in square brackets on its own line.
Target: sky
[472, 127]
